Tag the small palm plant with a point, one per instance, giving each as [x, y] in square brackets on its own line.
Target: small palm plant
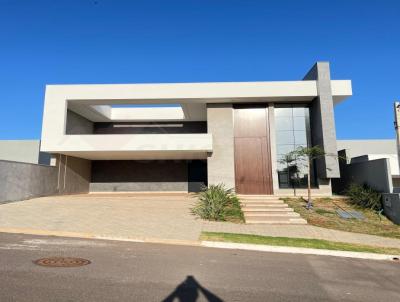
[216, 203]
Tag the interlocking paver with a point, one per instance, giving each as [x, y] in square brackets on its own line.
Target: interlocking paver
[151, 216]
[133, 216]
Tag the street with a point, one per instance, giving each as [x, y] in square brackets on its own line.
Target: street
[128, 271]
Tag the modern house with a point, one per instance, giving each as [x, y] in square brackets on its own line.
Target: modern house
[373, 162]
[177, 137]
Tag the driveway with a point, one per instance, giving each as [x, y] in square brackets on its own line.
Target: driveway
[139, 216]
[150, 217]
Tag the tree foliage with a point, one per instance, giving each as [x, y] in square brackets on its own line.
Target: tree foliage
[305, 156]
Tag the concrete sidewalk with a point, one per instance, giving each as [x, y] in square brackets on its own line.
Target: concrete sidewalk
[301, 231]
[154, 217]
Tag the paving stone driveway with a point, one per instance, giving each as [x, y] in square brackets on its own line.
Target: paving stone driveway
[150, 216]
[147, 216]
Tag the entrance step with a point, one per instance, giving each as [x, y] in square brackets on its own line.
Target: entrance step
[267, 209]
[277, 221]
[262, 202]
[264, 208]
[269, 214]
[257, 197]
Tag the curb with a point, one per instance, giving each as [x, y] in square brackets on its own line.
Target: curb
[99, 237]
[298, 250]
[210, 244]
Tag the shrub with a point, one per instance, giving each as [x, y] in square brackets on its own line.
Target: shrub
[364, 196]
[218, 203]
[233, 210]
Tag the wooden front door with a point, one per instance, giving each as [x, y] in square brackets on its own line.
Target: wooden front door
[253, 173]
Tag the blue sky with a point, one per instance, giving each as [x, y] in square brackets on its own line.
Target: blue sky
[112, 41]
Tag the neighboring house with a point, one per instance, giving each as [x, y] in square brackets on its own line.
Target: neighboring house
[373, 148]
[25, 151]
[362, 151]
[177, 137]
[375, 163]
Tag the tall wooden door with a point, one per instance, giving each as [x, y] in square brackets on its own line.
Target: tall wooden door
[253, 173]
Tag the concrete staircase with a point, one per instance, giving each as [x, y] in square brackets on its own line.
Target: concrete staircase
[265, 209]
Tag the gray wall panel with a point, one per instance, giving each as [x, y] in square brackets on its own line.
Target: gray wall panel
[130, 175]
[181, 186]
[20, 181]
[323, 121]
[150, 128]
[221, 163]
[375, 173]
[77, 124]
[75, 175]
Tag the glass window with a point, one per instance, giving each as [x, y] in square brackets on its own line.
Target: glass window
[300, 137]
[281, 165]
[284, 149]
[292, 130]
[285, 137]
[299, 123]
[283, 180]
[283, 111]
[299, 111]
[284, 123]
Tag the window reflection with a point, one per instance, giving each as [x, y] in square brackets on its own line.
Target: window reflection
[292, 126]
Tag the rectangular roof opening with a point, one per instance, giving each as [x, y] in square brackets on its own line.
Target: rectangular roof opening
[145, 105]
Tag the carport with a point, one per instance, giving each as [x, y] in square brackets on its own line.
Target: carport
[148, 175]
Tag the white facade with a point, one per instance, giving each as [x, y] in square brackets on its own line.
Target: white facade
[178, 137]
[97, 103]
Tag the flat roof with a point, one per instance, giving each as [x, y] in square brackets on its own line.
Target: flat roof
[97, 102]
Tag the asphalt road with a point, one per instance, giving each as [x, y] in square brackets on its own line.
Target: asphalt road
[125, 271]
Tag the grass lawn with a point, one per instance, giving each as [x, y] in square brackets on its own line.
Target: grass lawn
[324, 215]
[296, 242]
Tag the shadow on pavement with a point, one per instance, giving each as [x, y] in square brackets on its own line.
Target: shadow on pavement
[189, 290]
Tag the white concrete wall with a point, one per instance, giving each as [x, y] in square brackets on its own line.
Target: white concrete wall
[26, 151]
[373, 149]
[59, 97]
[359, 147]
[133, 146]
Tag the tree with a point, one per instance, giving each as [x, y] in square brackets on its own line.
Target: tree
[305, 156]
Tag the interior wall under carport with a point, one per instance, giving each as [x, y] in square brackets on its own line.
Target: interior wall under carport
[73, 174]
[148, 175]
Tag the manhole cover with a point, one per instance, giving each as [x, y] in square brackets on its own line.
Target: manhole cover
[62, 262]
